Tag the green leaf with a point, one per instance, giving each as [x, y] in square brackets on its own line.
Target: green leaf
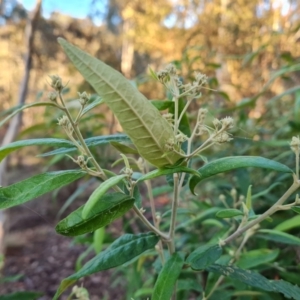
[180, 211]
[288, 224]
[204, 256]
[91, 142]
[147, 129]
[21, 296]
[258, 281]
[36, 186]
[278, 236]
[123, 148]
[188, 285]
[93, 103]
[119, 252]
[235, 162]
[229, 213]
[167, 278]
[162, 105]
[80, 190]
[153, 74]
[254, 258]
[88, 209]
[98, 239]
[161, 172]
[106, 210]
[249, 198]
[7, 149]
[296, 209]
[19, 109]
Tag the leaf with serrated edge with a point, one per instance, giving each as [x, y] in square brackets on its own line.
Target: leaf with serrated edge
[167, 278]
[226, 164]
[119, 252]
[258, 281]
[109, 208]
[147, 129]
[36, 186]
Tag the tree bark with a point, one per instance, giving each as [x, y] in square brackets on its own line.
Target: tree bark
[15, 123]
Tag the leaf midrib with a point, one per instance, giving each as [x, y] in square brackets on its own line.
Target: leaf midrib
[128, 104]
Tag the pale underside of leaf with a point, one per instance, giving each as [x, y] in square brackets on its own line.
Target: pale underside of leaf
[147, 129]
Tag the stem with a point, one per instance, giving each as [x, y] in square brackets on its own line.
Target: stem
[235, 258]
[297, 164]
[81, 139]
[153, 212]
[149, 225]
[184, 110]
[266, 214]
[176, 122]
[206, 142]
[173, 214]
[102, 174]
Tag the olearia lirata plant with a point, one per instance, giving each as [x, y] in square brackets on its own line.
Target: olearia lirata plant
[164, 143]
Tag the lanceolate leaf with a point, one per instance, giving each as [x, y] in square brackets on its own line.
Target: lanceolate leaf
[229, 213]
[278, 236]
[147, 129]
[109, 208]
[96, 196]
[119, 252]
[18, 109]
[21, 296]
[235, 162]
[204, 256]
[5, 150]
[167, 278]
[36, 186]
[157, 173]
[162, 105]
[289, 224]
[123, 148]
[91, 142]
[258, 281]
[257, 257]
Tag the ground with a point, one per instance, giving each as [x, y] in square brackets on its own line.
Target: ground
[39, 255]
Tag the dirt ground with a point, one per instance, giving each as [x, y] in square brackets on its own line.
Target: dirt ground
[40, 256]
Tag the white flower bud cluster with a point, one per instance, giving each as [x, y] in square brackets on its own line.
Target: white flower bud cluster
[52, 96]
[84, 98]
[201, 128]
[56, 83]
[65, 123]
[295, 144]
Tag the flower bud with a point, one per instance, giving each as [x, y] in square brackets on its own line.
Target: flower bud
[84, 98]
[52, 96]
[56, 83]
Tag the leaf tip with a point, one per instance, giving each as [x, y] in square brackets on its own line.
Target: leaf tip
[61, 40]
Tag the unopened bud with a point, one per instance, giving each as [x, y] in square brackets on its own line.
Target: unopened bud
[52, 96]
[295, 144]
[84, 98]
[56, 83]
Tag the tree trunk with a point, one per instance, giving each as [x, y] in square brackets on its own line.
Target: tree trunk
[15, 123]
